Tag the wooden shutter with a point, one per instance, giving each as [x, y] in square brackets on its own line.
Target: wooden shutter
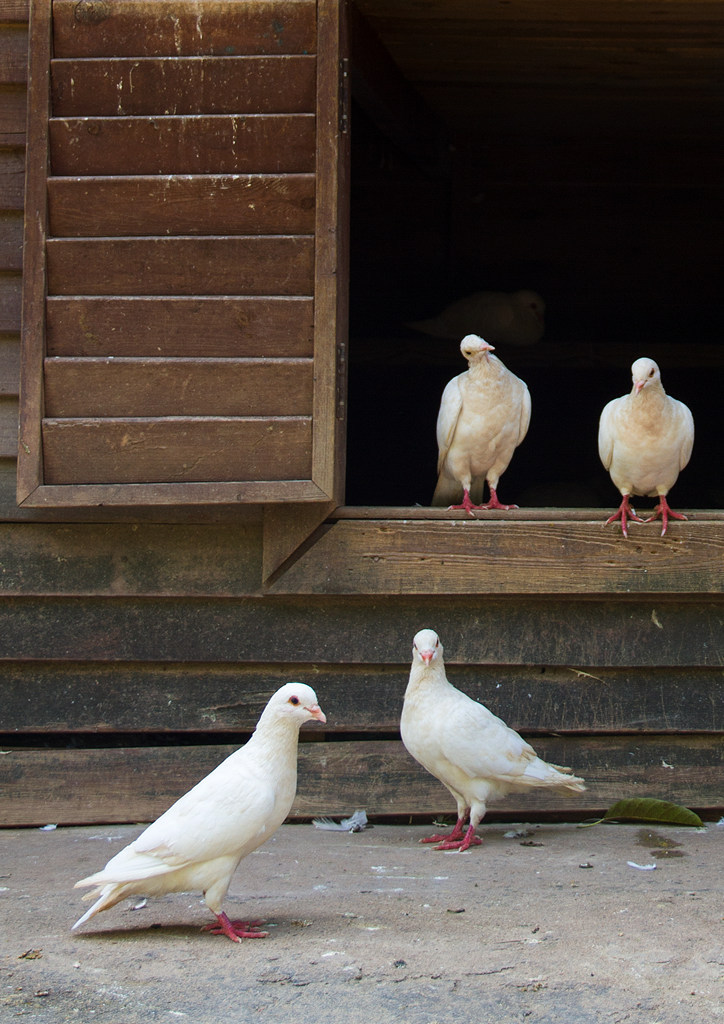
[185, 254]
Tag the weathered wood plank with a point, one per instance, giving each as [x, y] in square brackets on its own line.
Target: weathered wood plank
[11, 240]
[14, 55]
[14, 11]
[8, 426]
[116, 87]
[111, 387]
[506, 556]
[179, 449]
[177, 499]
[661, 632]
[202, 326]
[138, 784]
[9, 364]
[12, 177]
[10, 302]
[240, 265]
[203, 144]
[12, 115]
[165, 205]
[136, 28]
[100, 698]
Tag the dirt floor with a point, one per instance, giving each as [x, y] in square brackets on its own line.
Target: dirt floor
[549, 925]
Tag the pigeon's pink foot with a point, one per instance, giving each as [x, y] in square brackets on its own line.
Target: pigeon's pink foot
[235, 930]
[457, 833]
[494, 503]
[467, 504]
[468, 840]
[666, 513]
[625, 513]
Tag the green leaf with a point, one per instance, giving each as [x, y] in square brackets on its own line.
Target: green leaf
[651, 811]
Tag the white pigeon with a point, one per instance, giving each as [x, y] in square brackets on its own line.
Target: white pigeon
[470, 750]
[645, 439]
[504, 318]
[484, 415]
[198, 842]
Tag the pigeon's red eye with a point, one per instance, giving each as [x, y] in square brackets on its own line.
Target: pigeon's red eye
[294, 700]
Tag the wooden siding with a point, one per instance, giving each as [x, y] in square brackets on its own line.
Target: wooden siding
[137, 647]
[182, 163]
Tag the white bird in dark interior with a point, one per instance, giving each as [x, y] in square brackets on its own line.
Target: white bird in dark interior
[645, 439]
[484, 415]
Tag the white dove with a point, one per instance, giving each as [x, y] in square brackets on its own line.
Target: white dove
[484, 415]
[471, 751]
[514, 318]
[645, 439]
[198, 842]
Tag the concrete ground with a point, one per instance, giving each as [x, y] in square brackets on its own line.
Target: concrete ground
[552, 925]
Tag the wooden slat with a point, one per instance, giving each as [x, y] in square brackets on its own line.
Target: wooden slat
[11, 240]
[178, 449]
[503, 556]
[10, 301]
[14, 55]
[136, 28]
[137, 784]
[110, 387]
[12, 177]
[14, 11]
[12, 115]
[169, 500]
[181, 266]
[9, 364]
[8, 427]
[197, 326]
[206, 144]
[113, 87]
[105, 698]
[167, 205]
[489, 630]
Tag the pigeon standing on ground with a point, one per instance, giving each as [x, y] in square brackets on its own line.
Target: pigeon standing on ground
[471, 751]
[198, 842]
[645, 439]
[515, 318]
[484, 415]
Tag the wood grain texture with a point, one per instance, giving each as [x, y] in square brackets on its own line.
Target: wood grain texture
[116, 87]
[504, 556]
[243, 265]
[247, 626]
[9, 364]
[271, 143]
[8, 426]
[11, 240]
[167, 205]
[12, 177]
[138, 784]
[176, 449]
[138, 28]
[96, 699]
[203, 326]
[111, 387]
[10, 301]
[204, 144]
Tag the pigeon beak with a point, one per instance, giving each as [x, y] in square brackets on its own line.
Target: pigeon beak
[638, 385]
[316, 712]
[427, 656]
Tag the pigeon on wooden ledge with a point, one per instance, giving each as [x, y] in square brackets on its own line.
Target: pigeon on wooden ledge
[199, 841]
[484, 415]
[645, 439]
[515, 318]
[471, 751]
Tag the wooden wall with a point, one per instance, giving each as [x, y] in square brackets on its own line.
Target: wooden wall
[136, 650]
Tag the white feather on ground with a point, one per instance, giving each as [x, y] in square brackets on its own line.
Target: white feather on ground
[645, 439]
[464, 745]
[503, 318]
[484, 415]
[199, 841]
